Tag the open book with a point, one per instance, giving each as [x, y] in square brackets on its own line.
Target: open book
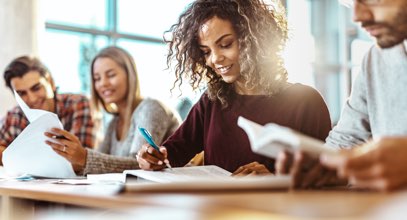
[201, 178]
[28, 154]
[272, 138]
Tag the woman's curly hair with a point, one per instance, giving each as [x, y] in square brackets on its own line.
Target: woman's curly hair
[262, 33]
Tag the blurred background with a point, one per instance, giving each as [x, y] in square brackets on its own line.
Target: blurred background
[324, 50]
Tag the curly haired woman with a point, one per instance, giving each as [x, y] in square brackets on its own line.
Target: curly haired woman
[234, 47]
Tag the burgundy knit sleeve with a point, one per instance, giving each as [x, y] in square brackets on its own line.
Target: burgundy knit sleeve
[188, 139]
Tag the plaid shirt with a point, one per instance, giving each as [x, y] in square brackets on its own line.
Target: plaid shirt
[73, 111]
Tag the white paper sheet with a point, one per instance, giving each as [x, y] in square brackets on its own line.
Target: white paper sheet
[107, 177]
[31, 114]
[29, 154]
[271, 138]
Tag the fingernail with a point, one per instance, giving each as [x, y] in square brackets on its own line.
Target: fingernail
[323, 158]
[281, 155]
[160, 162]
[352, 180]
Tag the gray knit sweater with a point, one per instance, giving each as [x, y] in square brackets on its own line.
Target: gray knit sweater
[377, 105]
[115, 156]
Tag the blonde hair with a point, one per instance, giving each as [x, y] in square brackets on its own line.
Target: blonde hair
[125, 61]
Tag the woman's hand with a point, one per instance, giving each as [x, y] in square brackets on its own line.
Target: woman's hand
[2, 148]
[68, 146]
[253, 168]
[150, 159]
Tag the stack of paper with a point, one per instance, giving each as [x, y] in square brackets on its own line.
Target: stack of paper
[272, 138]
[29, 154]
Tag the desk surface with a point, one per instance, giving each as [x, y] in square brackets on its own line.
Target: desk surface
[293, 204]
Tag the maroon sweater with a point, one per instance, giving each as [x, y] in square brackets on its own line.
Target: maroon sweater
[210, 128]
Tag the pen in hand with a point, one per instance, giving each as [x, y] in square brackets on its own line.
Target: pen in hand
[147, 136]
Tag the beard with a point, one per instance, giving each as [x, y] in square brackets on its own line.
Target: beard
[390, 39]
[396, 31]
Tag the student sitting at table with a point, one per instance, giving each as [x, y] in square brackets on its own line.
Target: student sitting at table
[372, 129]
[29, 77]
[234, 46]
[116, 88]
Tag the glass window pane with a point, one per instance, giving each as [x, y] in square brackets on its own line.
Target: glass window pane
[146, 17]
[68, 56]
[88, 13]
[299, 63]
[155, 80]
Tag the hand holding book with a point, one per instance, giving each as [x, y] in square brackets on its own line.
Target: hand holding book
[295, 153]
[270, 139]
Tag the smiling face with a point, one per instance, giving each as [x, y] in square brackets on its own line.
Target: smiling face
[37, 91]
[219, 44]
[386, 21]
[110, 81]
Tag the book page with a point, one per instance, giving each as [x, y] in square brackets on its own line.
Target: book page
[182, 174]
[271, 139]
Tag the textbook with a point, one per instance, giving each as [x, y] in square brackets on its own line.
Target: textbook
[272, 138]
[200, 178]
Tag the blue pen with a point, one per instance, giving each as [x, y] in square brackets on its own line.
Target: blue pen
[147, 136]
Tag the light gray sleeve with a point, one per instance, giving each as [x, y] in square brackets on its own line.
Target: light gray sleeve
[157, 118]
[104, 146]
[353, 127]
[150, 114]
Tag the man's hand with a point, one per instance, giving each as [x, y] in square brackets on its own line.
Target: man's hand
[381, 165]
[306, 171]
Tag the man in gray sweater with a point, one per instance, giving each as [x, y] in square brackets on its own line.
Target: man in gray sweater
[375, 115]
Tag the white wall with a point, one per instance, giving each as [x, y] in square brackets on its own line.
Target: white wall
[19, 28]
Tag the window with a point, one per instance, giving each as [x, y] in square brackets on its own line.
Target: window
[299, 53]
[76, 30]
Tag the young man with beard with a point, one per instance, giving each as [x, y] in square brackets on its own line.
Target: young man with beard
[374, 118]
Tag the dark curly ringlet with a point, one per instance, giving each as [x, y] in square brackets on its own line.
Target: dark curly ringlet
[21, 66]
[262, 33]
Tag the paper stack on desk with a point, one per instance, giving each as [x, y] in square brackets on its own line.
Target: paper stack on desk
[29, 154]
[271, 138]
[201, 178]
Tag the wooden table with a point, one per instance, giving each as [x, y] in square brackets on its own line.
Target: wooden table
[18, 200]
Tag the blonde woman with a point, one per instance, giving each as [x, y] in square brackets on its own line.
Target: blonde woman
[115, 88]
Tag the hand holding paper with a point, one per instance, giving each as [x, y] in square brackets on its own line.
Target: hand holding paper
[29, 154]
